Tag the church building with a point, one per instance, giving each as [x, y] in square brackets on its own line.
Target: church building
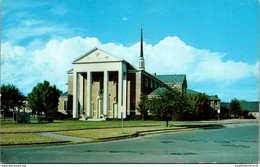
[102, 86]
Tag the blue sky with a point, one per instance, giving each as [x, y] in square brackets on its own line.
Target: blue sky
[215, 43]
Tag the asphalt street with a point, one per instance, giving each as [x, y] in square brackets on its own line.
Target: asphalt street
[233, 144]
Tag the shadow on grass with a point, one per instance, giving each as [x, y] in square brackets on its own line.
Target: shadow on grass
[35, 123]
[205, 127]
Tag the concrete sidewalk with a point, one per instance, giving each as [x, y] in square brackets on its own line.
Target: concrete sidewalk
[62, 137]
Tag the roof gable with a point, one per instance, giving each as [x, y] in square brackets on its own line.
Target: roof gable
[190, 91]
[96, 55]
[64, 94]
[176, 78]
[250, 106]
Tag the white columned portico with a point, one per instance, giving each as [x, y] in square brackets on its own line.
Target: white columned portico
[75, 94]
[97, 61]
[81, 103]
[106, 93]
[89, 93]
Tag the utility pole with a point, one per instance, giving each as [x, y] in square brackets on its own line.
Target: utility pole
[122, 119]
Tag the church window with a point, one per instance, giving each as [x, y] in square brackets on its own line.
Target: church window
[101, 85]
[151, 84]
[216, 103]
[146, 83]
[65, 105]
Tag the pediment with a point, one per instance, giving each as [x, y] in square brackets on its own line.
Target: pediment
[96, 55]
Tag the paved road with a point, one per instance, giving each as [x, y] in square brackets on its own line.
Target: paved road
[234, 144]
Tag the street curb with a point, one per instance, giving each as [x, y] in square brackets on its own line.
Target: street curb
[141, 133]
[28, 144]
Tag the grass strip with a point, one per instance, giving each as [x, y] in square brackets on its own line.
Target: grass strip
[106, 133]
[14, 139]
[65, 125]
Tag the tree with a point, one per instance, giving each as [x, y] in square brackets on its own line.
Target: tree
[11, 97]
[44, 98]
[143, 105]
[235, 108]
[166, 103]
[215, 96]
[199, 105]
[242, 101]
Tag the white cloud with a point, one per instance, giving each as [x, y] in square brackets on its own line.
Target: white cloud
[60, 9]
[33, 28]
[30, 30]
[31, 22]
[171, 55]
[25, 67]
[124, 19]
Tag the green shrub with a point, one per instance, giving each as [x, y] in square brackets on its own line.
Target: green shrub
[42, 119]
[73, 119]
[69, 113]
[23, 117]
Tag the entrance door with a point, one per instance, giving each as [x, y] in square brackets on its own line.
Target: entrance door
[115, 109]
[99, 104]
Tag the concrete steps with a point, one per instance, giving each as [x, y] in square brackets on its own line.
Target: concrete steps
[96, 119]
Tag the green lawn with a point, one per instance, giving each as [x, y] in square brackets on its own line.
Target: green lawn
[105, 133]
[61, 125]
[14, 133]
[25, 138]
[21, 132]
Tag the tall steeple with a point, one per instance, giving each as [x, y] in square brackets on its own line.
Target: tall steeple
[141, 59]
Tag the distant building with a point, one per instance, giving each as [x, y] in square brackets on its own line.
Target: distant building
[251, 107]
[63, 102]
[214, 101]
[177, 81]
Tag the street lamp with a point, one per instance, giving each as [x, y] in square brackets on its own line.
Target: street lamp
[122, 118]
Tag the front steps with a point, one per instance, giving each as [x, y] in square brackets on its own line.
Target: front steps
[96, 119]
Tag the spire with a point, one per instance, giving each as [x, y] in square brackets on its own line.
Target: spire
[141, 59]
[141, 54]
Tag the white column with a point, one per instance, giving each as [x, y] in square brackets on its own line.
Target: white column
[106, 93]
[81, 92]
[124, 94]
[89, 93]
[75, 94]
[120, 92]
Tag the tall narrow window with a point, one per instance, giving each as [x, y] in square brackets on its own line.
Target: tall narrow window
[65, 105]
[146, 83]
[101, 83]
